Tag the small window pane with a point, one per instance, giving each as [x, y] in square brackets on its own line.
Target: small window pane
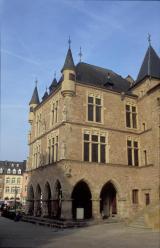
[90, 112]
[102, 139]
[129, 156]
[128, 119]
[90, 99]
[127, 107]
[103, 152]
[134, 120]
[135, 144]
[86, 136]
[94, 137]
[135, 196]
[129, 143]
[86, 151]
[98, 101]
[98, 114]
[94, 152]
[133, 109]
[136, 163]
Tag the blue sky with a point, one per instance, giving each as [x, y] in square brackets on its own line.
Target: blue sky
[34, 38]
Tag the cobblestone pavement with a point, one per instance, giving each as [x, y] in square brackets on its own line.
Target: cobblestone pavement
[26, 235]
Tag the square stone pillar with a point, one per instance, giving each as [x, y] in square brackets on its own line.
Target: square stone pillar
[96, 208]
[44, 208]
[66, 210]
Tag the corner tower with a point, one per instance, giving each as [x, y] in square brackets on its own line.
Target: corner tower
[33, 103]
[68, 75]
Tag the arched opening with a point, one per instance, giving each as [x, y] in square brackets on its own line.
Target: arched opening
[108, 203]
[31, 201]
[81, 199]
[48, 199]
[38, 201]
[58, 200]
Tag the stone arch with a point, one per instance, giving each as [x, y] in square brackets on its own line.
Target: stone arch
[31, 198]
[38, 199]
[47, 199]
[82, 200]
[108, 200]
[57, 199]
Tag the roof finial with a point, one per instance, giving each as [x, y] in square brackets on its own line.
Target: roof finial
[80, 54]
[149, 39]
[69, 42]
[36, 82]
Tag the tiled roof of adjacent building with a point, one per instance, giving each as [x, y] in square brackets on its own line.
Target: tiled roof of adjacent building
[12, 165]
[150, 66]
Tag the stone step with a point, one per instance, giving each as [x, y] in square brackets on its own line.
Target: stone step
[54, 223]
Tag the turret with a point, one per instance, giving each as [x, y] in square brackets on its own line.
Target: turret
[33, 103]
[69, 75]
[53, 85]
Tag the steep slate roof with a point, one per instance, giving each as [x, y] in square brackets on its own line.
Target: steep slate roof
[69, 63]
[45, 95]
[105, 78]
[53, 85]
[35, 97]
[150, 66]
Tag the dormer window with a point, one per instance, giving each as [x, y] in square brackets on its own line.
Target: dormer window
[14, 171]
[72, 77]
[9, 171]
[19, 171]
[1, 170]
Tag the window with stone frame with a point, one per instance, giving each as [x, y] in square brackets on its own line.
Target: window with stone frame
[133, 152]
[94, 110]
[53, 149]
[131, 116]
[18, 180]
[94, 148]
[7, 180]
[7, 189]
[13, 180]
[135, 196]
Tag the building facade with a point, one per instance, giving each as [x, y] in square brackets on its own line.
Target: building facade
[12, 182]
[94, 142]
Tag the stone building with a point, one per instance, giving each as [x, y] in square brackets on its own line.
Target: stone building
[94, 142]
[12, 173]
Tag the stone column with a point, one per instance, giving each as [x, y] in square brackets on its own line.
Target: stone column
[44, 208]
[96, 208]
[66, 210]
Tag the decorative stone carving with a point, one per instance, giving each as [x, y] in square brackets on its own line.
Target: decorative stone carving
[64, 113]
[63, 150]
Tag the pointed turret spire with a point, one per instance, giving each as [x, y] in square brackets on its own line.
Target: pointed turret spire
[53, 84]
[151, 64]
[69, 63]
[45, 95]
[35, 97]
